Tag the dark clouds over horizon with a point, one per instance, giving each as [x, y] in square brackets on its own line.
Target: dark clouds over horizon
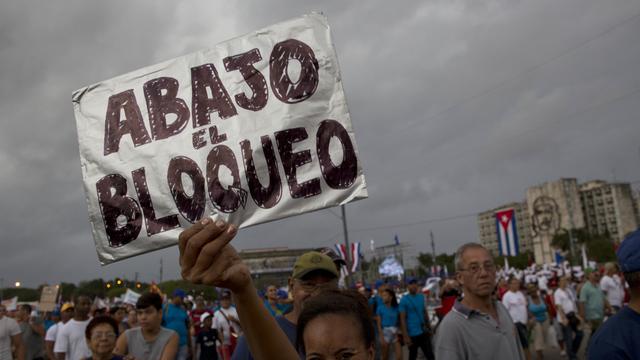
[457, 106]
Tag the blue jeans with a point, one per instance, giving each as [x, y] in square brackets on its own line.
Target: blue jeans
[572, 339]
[183, 352]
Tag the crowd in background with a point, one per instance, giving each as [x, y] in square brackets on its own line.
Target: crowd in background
[483, 312]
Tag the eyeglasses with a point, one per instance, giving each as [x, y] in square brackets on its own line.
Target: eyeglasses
[99, 335]
[475, 268]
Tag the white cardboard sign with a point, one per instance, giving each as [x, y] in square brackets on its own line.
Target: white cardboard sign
[252, 130]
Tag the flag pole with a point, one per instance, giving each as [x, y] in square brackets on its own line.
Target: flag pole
[346, 238]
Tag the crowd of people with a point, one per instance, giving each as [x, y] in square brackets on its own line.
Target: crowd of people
[482, 312]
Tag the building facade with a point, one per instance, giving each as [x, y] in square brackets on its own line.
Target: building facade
[271, 266]
[609, 208]
[557, 206]
[554, 208]
[488, 231]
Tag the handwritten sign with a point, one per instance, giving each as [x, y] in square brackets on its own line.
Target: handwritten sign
[253, 130]
[48, 298]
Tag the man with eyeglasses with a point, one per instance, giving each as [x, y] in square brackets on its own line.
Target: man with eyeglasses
[312, 272]
[478, 327]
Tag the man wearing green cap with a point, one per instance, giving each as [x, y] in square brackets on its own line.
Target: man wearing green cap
[312, 272]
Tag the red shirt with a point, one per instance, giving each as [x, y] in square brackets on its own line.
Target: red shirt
[195, 318]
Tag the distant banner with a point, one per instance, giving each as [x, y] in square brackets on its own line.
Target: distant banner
[130, 297]
[11, 304]
[390, 267]
[253, 130]
[48, 298]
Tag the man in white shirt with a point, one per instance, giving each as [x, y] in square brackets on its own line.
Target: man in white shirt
[70, 342]
[543, 282]
[226, 322]
[10, 334]
[66, 313]
[565, 302]
[516, 304]
[612, 286]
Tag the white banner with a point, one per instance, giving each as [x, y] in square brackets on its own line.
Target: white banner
[11, 304]
[130, 297]
[252, 130]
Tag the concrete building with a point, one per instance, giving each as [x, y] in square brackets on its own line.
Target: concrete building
[488, 231]
[271, 266]
[609, 208]
[557, 206]
[554, 208]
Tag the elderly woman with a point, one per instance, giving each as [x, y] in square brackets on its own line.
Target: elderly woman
[101, 334]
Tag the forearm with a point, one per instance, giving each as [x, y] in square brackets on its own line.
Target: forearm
[20, 353]
[38, 329]
[403, 324]
[49, 346]
[264, 336]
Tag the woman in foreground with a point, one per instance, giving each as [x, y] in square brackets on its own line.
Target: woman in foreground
[331, 324]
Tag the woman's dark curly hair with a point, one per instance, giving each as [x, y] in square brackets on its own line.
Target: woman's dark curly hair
[102, 319]
[338, 302]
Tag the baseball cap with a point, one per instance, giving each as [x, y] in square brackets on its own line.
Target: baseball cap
[226, 294]
[204, 316]
[628, 253]
[332, 254]
[313, 261]
[179, 293]
[412, 280]
[65, 307]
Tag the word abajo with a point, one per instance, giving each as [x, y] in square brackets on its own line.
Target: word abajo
[161, 95]
[161, 99]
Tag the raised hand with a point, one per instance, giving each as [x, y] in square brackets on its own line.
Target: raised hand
[207, 258]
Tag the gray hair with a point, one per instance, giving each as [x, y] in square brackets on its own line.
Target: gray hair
[610, 266]
[461, 250]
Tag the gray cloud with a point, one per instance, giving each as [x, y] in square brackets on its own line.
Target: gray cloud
[452, 109]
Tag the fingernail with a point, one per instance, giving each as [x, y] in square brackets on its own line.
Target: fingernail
[205, 221]
[232, 229]
[220, 223]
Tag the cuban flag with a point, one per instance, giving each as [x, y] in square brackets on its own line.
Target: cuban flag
[507, 232]
[355, 256]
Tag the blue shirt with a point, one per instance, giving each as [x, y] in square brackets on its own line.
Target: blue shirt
[280, 309]
[539, 310]
[374, 302]
[413, 308]
[388, 315]
[242, 349]
[617, 338]
[175, 318]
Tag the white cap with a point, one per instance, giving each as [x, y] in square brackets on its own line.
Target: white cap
[204, 316]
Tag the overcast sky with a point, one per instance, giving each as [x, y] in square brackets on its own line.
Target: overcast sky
[457, 106]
